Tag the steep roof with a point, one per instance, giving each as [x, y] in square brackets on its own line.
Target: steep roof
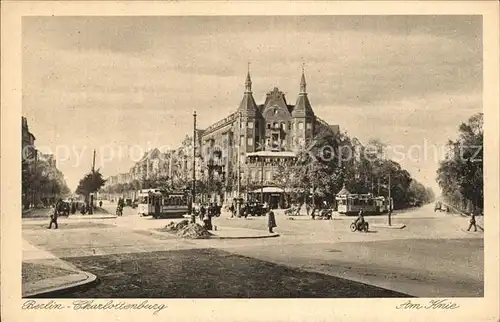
[303, 106]
[343, 192]
[276, 98]
[248, 107]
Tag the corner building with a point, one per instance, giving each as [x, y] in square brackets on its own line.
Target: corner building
[259, 138]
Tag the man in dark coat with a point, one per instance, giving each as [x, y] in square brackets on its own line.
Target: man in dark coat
[53, 217]
[472, 221]
[271, 221]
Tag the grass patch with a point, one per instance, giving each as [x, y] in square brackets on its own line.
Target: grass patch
[32, 272]
[210, 273]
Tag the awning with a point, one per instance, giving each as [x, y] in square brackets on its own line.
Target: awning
[279, 154]
[268, 190]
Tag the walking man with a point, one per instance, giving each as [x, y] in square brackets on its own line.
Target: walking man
[53, 217]
[472, 221]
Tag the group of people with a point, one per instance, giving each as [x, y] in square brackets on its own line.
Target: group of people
[73, 208]
[206, 212]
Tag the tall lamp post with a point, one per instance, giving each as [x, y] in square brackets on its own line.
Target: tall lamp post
[193, 193]
[238, 186]
[390, 203]
[262, 175]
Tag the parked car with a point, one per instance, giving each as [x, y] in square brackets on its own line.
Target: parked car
[63, 208]
[128, 202]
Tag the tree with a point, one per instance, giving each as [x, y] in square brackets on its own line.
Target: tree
[90, 183]
[42, 183]
[460, 175]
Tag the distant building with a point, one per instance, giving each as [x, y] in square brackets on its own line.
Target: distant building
[261, 136]
[28, 141]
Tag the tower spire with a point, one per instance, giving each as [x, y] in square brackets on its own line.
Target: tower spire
[303, 82]
[248, 82]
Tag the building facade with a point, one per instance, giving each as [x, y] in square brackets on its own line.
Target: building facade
[252, 142]
[27, 140]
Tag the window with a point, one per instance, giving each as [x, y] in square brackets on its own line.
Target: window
[290, 126]
[242, 140]
[250, 141]
[250, 125]
[275, 125]
[283, 126]
[308, 125]
[269, 175]
[268, 125]
[301, 125]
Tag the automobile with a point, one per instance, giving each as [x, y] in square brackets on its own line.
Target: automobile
[255, 208]
[128, 202]
[63, 208]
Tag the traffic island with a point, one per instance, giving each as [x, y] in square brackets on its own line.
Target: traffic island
[185, 229]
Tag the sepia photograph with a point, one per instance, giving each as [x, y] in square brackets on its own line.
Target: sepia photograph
[251, 156]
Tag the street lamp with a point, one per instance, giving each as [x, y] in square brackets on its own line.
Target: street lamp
[238, 187]
[193, 196]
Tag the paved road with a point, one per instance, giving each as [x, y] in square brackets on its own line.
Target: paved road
[433, 256]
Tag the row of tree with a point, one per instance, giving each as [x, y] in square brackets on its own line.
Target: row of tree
[322, 168]
[332, 162]
[42, 183]
[460, 175]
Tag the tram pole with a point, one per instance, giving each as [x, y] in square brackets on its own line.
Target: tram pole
[193, 193]
[390, 203]
[238, 187]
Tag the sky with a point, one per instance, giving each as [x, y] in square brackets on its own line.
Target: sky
[124, 85]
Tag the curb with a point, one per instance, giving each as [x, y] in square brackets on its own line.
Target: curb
[389, 227]
[50, 291]
[213, 236]
[93, 217]
[245, 237]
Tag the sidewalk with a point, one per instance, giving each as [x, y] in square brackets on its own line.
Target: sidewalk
[45, 274]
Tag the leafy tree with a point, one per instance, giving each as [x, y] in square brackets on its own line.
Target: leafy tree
[41, 183]
[90, 183]
[460, 175]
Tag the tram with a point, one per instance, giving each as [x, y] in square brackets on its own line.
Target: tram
[159, 203]
[351, 204]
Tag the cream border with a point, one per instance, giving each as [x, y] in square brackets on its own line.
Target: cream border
[485, 309]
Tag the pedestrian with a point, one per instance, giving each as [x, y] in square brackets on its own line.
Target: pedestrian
[207, 218]
[100, 203]
[53, 217]
[202, 212]
[231, 209]
[472, 221]
[73, 208]
[271, 221]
